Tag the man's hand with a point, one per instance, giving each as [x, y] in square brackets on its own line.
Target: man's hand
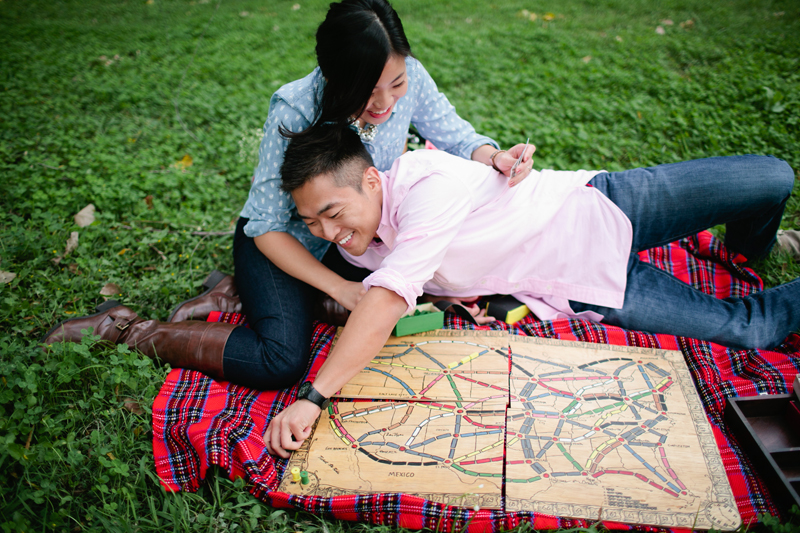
[294, 421]
[349, 293]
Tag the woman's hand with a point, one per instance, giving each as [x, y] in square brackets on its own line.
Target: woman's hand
[348, 293]
[470, 305]
[287, 431]
[505, 161]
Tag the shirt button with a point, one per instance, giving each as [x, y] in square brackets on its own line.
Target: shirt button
[549, 287]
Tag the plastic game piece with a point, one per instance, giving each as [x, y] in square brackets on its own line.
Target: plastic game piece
[508, 309]
[295, 474]
[304, 478]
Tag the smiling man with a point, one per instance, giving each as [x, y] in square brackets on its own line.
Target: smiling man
[454, 228]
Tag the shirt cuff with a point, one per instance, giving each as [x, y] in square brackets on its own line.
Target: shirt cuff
[474, 144]
[394, 281]
[254, 228]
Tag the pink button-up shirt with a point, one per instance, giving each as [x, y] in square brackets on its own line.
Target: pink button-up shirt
[453, 227]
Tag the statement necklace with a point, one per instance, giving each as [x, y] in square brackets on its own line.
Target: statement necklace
[367, 133]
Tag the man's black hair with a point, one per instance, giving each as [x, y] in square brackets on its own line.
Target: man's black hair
[328, 149]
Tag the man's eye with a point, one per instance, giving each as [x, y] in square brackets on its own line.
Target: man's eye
[336, 215]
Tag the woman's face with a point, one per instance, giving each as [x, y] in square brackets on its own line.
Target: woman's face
[391, 87]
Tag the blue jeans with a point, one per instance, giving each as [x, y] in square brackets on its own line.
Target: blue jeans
[668, 202]
[273, 352]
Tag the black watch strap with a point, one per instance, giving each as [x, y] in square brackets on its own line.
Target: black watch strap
[308, 392]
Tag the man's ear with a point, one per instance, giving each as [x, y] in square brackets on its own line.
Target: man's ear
[371, 180]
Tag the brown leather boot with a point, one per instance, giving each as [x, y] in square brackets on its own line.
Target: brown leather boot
[220, 295]
[328, 310]
[192, 344]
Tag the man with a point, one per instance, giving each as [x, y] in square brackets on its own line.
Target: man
[450, 227]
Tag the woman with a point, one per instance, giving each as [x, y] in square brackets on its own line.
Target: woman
[368, 80]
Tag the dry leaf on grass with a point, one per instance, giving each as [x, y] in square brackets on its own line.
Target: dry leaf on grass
[660, 30]
[72, 243]
[6, 277]
[184, 163]
[110, 289]
[85, 216]
[133, 406]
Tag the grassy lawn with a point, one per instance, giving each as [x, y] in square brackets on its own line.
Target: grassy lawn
[150, 111]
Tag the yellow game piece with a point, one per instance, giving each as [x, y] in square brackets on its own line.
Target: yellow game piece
[295, 474]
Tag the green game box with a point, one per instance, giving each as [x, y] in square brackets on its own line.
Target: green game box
[424, 317]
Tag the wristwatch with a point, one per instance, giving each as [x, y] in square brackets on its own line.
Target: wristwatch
[308, 392]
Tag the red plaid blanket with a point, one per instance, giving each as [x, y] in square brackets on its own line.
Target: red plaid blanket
[198, 422]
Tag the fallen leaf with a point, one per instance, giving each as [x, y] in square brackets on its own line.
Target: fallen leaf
[687, 24]
[667, 22]
[533, 17]
[6, 277]
[295, 7]
[122, 252]
[110, 289]
[110, 456]
[660, 30]
[72, 243]
[548, 17]
[73, 267]
[85, 216]
[184, 163]
[244, 14]
[586, 59]
[149, 201]
[779, 14]
[133, 406]
[618, 38]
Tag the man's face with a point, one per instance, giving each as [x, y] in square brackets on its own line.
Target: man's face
[342, 215]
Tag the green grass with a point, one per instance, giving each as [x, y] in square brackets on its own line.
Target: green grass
[100, 99]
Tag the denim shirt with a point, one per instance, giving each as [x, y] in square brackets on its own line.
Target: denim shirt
[295, 106]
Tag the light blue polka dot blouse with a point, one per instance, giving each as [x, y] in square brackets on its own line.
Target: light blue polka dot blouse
[294, 106]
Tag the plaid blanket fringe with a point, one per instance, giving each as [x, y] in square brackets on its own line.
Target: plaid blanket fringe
[198, 422]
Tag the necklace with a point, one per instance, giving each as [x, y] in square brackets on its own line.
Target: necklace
[367, 133]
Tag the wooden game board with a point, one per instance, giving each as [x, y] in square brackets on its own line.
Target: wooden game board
[581, 430]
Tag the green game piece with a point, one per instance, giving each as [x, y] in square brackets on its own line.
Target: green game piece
[304, 478]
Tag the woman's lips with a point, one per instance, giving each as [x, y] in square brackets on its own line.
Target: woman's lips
[381, 115]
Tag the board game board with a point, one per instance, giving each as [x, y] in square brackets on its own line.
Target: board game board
[524, 424]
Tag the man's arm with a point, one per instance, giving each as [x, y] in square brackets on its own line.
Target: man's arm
[289, 255]
[367, 330]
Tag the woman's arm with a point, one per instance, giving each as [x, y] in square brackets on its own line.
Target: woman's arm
[436, 120]
[505, 159]
[367, 330]
[286, 252]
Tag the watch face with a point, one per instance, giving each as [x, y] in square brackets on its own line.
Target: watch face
[305, 388]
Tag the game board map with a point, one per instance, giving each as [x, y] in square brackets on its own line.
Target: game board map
[390, 459]
[691, 488]
[449, 365]
[580, 430]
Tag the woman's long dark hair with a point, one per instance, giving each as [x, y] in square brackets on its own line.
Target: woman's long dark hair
[354, 42]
